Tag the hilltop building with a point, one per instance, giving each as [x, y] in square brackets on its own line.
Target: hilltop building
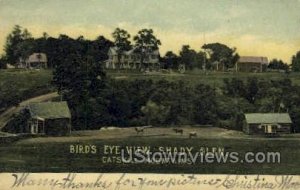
[131, 59]
[251, 64]
[34, 61]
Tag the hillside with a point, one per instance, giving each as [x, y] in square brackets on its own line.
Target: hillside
[197, 76]
[18, 85]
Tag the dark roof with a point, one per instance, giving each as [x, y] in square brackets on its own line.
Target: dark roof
[255, 118]
[253, 59]
[49, 110]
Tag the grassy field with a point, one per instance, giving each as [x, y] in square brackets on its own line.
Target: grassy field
[17, 85]
[19, 82]
[52, 154]
[197, 76]
[24, 79]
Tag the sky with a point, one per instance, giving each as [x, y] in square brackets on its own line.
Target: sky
[256, 28]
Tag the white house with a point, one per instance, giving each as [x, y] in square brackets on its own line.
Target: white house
[131, 59]
[34, 61]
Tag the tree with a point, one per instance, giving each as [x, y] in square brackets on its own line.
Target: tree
[278, 65]
[79, 80]
[146, 42]
[121, 41]
[205, 104]
[119, 107]
[12, 48]
[187, 56]
[25, 48]
[222, 54]
[99, 48]
[155, 114]
[252, 90]
[171, 60]
[2, 62]
[296, 62]
[234, 87]
[191, 58]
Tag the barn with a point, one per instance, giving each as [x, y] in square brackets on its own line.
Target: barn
[267, 123]
[251, 64]
[50, 118]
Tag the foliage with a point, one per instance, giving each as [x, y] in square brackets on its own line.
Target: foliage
[3, 62]
[222, 54]
[170, 60]
[80, 80]
[191, 58]
[296, 62]
[18, 123]
[121, 41]
[18, 43]
[155, 114]
[146, 41]
[278, 65]
[17, 85]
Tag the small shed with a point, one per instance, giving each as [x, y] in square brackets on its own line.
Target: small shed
[50, 118]
[267, 123]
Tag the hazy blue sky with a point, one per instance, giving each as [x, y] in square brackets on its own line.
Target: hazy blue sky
[267, 28]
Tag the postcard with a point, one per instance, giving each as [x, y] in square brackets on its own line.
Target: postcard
[165, 94]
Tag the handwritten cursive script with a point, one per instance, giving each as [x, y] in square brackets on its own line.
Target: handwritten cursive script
[72, 181]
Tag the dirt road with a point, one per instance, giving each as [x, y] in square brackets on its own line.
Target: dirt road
[6, 116]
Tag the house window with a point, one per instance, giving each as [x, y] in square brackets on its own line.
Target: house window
[38, 56]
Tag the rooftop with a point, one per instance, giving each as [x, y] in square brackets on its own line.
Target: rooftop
[267, 118]
[37, 57]
[49, 110]
[253, 59]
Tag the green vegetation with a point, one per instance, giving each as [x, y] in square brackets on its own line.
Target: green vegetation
[198, 76]
[296, 62]
[17, 85]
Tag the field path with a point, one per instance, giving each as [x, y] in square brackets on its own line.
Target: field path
[6, 116]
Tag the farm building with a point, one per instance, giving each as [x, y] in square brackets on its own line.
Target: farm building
[34, 61]
[267, 123]
[251, 64]
[50, 118]
[131, 59]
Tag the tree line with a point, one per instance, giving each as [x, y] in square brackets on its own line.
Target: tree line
[20, 44]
